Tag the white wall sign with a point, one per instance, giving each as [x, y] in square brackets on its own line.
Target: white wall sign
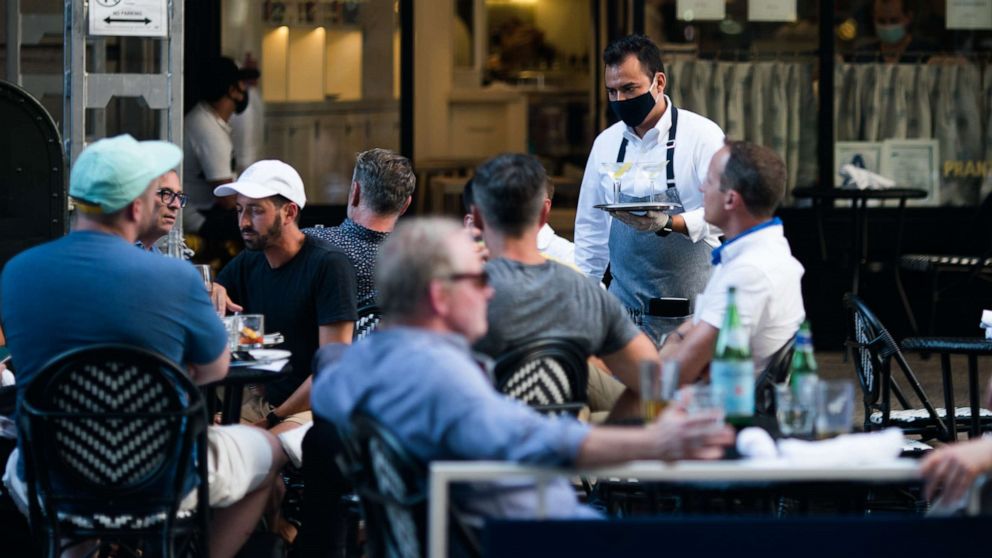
[913, 164]
[692, 10]
[133, 18]
[771, 10]
[862, 154]
[969, 14]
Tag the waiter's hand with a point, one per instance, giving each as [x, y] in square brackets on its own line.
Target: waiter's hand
[651, 221]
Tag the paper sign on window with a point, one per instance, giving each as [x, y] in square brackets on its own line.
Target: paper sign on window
[695, 10]
[969, 14]
[771, 10]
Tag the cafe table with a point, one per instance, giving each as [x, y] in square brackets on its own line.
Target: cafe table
[731, 472]
[859, 214]
[239, 376]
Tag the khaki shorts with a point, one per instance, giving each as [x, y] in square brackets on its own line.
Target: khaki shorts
[256, 408]
[238, 461]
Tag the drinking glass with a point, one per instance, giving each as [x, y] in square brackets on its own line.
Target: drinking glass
[251, 330]
[233, 326]
[206, 275]
[795, 408]
[834, 408]
[616, 171]
[651, 171]
[658, 385]
[703, 400]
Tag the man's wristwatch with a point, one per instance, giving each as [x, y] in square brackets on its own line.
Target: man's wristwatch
[667, 229]
[273, 419]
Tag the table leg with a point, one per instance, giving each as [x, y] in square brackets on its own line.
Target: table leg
[949, 414]
[859, 251]
[233, 397]
[976, 418]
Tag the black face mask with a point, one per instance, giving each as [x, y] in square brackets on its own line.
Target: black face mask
[240, 106]
[634, 111]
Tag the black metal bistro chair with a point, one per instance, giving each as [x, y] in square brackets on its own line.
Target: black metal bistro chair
[116, 439]
[367, 322]
[776, 372]
[550, 375]
[874, 350]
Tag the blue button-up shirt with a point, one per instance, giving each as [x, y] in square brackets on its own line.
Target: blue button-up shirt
[429, 392]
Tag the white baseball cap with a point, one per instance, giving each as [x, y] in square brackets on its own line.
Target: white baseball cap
[267, 178]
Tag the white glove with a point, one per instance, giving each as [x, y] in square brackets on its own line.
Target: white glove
[651, 221]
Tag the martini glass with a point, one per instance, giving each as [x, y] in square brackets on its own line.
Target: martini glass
[651, 171]
[616, 172]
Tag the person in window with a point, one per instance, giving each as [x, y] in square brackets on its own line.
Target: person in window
[893, 23]
[654, 255]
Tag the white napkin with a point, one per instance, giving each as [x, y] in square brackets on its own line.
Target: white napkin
[856, 177]
[986, 323]
[847, 450]
[274, 366]
[292, 443]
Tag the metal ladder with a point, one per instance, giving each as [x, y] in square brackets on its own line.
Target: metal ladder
[93, 90]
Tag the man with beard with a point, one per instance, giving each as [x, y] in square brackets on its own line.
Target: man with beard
[303, 286]
[169, 199]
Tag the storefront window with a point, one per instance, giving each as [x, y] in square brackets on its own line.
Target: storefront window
[911, 90]
[753, 72]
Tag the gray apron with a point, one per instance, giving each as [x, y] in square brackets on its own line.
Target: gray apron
[645, 265]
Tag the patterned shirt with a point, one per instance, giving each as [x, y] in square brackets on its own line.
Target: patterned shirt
[362, 246]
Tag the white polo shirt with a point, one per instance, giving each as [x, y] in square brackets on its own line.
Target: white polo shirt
[208, 156]
[696, 140]
[769, 291]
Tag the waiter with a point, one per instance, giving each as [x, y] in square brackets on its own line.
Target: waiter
[659, 262]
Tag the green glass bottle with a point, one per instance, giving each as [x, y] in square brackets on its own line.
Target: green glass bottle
[732, 369]
[802, 370]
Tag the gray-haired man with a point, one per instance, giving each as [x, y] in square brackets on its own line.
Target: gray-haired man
[381, 190]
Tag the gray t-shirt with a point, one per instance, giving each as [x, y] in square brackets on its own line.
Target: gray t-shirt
[552, 300]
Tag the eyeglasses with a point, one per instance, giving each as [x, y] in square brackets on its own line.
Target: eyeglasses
[168, 196]
[480, 279]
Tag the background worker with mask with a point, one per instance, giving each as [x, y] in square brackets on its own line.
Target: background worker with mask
[209, 158]
[658, 262]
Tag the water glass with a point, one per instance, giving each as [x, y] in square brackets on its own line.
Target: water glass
[703, 400]
[658, 386]
[206, 275]
[232, 325]
[834, 408]
[795, 408]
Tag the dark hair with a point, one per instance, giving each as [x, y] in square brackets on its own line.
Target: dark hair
[757, 173]
[219, 74]
[509, 190]
[648, 53]
[386, 178]
[468, 199]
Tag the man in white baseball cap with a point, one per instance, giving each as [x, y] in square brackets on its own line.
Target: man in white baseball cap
[304, 287]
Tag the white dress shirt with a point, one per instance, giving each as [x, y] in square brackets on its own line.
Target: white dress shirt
[555, 247]
[696, 140]
[769, 291]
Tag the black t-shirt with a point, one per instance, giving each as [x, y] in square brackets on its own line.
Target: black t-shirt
[316, 287]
